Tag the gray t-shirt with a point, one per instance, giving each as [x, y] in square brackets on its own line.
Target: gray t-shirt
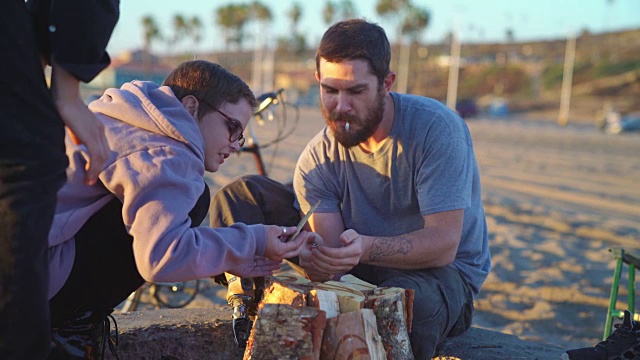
[426, 165]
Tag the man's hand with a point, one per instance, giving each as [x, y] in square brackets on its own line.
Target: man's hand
[326, 263]
[82, 124]
[305, 261]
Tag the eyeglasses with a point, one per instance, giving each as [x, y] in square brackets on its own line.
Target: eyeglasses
[234, 126]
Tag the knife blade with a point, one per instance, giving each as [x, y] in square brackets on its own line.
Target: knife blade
[303, 221]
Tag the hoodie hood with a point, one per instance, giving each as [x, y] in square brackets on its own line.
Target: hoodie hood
[154, 108]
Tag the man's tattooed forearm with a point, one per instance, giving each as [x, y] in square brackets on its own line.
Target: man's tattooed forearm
[388, 247]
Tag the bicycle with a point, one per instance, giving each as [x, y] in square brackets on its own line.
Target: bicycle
[180, 294]
[170, 295]
[268, 104]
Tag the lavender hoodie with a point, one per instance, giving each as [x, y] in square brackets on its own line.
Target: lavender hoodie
[156, 169]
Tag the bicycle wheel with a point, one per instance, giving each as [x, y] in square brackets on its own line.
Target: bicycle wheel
[175, 295]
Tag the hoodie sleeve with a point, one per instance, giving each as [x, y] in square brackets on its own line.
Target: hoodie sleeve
[158, 188]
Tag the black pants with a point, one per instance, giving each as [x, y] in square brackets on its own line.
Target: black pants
[104, 271]
[32, 170]
[443, 302]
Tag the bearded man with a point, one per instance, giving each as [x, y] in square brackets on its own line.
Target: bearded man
[398, 186]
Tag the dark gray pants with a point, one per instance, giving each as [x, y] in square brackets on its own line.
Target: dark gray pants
[443, 303]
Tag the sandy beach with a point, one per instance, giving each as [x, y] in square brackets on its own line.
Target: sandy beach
[556, 199]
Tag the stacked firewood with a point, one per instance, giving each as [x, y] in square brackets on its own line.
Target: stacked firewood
[346, 319]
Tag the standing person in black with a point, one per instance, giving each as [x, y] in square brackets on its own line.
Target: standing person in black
[71, 36]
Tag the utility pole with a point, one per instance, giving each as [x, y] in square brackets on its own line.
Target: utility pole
[268, 73]
[454, 67]
[403, 67]
[567, 78]
[257, 72]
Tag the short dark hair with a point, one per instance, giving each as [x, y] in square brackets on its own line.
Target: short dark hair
[208, 81]
[356, 39]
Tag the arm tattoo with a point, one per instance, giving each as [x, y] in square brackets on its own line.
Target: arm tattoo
[388, 247]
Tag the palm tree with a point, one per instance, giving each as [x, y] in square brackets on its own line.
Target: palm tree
[391, 8]
[294, 14]
[262, 74]
[195, 30]
[329, 12]
[262, 15]
[233, 18]
[151, 32]
[348, 9]
[261, 12]
[224, 18]
[414, 22]
[338, 11]
[298, 40]
[180, 30]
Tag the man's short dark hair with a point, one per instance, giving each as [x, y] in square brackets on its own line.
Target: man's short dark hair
[356, 39]
[208, 81]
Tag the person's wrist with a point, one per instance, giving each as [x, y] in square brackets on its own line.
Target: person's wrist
[367, 244]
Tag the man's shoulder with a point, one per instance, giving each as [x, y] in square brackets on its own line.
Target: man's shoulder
[322, 140]
[412, 102]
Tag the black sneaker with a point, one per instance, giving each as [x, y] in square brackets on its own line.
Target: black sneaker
[623, 344]
[85, 336]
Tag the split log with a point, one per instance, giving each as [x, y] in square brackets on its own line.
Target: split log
[353, 335]
[349, 298]
[390, 305]
[326, 301]
[365, 287]
[286, 332]
[296, 291]
[289, 290]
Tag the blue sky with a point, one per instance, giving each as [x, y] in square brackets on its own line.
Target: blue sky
[477, 20]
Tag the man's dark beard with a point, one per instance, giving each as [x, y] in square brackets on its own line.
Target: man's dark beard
[366, 126]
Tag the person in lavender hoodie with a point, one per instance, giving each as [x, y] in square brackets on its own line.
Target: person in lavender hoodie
[139, 222]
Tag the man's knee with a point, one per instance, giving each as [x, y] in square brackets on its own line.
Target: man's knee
[253, 199]
[428, 302]
[441, 300]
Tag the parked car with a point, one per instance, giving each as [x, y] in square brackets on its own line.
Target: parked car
[620, 124]
[467, 108]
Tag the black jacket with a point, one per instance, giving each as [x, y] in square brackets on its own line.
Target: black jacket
[75, 32]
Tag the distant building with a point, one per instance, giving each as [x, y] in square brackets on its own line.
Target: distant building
[128, 66]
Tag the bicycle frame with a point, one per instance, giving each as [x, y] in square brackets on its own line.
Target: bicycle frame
[267, 102]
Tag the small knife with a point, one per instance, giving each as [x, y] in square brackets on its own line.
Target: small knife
[303, 221]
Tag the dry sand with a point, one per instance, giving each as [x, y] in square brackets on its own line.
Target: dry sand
[556, 198]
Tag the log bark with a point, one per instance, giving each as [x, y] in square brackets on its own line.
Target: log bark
[391, 310]
[286, 332]
[353, 335]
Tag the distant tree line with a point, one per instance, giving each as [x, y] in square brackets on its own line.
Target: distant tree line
[233, 19]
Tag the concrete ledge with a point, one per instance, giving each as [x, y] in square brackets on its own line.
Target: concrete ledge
[480, 344]
[206, 334]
